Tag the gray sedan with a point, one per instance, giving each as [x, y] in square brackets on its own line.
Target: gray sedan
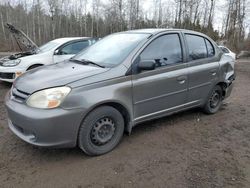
[124, 79]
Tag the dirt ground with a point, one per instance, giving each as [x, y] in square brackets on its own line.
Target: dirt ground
[189, 149]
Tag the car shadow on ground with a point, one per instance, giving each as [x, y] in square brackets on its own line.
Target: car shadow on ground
[5, 85]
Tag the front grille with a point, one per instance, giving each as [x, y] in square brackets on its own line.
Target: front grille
[19, 95]
[5, 75]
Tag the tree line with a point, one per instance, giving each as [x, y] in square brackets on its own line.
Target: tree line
[44, 20]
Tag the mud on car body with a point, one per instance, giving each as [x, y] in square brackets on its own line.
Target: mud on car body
[124, 79]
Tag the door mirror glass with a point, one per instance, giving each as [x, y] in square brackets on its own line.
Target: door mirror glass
[146, 65]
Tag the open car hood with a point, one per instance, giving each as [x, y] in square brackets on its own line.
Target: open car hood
[23, 41]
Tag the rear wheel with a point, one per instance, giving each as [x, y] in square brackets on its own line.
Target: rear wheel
[101, 131]
[214, 101]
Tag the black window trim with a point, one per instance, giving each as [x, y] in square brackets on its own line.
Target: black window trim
[205, 39]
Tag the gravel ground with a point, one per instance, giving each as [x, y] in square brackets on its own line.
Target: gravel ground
[189, 149]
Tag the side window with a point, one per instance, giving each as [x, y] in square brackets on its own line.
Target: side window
[74, 48]
[165, 50]
[210, 49]
[196, 47]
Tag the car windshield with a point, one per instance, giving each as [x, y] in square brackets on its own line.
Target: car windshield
[47, 46]
[113, 49]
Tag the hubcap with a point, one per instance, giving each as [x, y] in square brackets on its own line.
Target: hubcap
[103, 131]
[215, 99]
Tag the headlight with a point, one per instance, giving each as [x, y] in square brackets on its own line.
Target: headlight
[48, 98]
[12, 63]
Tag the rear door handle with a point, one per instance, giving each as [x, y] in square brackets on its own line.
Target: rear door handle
[213, 72]
[182, 79]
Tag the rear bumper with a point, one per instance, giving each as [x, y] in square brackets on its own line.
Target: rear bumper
[229, 88]
[45, 128]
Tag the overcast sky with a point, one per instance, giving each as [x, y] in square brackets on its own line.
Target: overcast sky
[220, 9]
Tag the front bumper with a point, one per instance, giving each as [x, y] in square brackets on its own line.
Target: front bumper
[9, 74]
[46, 128]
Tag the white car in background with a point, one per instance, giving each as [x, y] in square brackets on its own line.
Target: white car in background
[54, 51]
[226, 51]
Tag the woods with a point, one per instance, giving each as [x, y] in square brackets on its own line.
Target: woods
[45, 20]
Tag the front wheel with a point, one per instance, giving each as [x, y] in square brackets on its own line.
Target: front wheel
[214, 101]
[101, 131]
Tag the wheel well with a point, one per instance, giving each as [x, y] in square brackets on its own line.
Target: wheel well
[223, 86]
[122, 110]
[34, 65]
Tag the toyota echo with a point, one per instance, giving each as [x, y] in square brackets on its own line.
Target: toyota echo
[124, 79]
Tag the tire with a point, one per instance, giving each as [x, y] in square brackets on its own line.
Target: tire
[101, 131]
[33, 67]
[214, 101]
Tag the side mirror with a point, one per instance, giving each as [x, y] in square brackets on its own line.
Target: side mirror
[57, 52]
[146, 65]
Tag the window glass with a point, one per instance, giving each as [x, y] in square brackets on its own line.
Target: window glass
[74, 48]
[113, 49]
[196, 47]
[165, 50]
[48, 46]
[210, 49]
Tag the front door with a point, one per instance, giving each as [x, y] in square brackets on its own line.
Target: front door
[164, 89]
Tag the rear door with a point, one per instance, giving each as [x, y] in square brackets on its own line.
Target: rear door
[203, 67]
[69, 50]
[164, 89]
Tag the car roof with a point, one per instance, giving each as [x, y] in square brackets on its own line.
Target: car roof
[155, 31]
[68, 39]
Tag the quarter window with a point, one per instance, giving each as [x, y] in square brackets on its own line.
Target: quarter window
[196, 47]
[165, 50]
[210, 49]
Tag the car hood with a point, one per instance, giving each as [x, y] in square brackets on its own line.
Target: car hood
[59, 74]
[16, 56]
[23, 41]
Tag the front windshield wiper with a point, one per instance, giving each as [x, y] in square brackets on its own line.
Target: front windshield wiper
[87, 62]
